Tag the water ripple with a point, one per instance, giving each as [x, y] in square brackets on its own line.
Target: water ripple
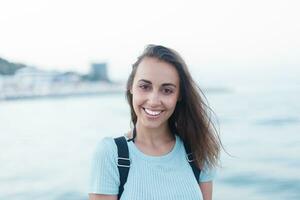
[277, 121]
[264, 184]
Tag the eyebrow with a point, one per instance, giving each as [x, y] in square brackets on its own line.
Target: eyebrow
[164, 84]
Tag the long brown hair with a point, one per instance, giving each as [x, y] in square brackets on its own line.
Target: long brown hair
[191, 119]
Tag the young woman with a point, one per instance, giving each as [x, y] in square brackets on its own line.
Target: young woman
[169, 118]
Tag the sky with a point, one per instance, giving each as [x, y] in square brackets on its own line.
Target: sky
[210, 35]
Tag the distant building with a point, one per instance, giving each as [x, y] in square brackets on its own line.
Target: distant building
[99, 72]
[30, 77]
[67, 77]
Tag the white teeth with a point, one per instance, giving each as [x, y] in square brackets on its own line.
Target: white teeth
[150, 112]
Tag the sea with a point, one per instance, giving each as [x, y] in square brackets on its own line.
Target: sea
[46, 144]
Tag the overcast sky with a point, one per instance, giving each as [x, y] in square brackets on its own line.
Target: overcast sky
[69, 35]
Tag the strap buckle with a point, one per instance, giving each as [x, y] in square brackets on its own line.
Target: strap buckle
[123, 162]
[189, 157]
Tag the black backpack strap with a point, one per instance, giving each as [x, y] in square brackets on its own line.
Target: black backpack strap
[190, 159]
[123, 162]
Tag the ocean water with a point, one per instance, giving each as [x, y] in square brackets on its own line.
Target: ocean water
[46, 144]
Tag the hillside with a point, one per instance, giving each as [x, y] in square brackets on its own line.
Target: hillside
[9, 68]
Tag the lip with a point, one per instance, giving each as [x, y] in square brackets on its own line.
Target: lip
[152, 116]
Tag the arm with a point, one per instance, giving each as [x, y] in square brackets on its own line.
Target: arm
[206, 189]
[102, 197]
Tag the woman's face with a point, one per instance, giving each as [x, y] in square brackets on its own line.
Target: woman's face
[155, 91]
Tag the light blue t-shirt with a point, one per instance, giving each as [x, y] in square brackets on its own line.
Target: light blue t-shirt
[167, 177]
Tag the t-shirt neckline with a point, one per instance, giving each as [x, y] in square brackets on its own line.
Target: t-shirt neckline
[166, 156]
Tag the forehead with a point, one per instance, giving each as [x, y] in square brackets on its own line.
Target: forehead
[156, 71]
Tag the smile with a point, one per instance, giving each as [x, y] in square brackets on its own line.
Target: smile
[152, 112]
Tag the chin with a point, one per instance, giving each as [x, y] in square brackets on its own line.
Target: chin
[152, 125]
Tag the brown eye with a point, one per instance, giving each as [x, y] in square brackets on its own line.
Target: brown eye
[144, 87]
[167, 91]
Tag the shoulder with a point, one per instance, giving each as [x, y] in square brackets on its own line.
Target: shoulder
[207, 174]
[105, 148]
[104, 176]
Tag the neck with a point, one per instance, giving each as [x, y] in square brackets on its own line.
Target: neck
[153, 135]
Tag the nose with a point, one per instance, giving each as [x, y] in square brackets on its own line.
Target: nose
[154, 99]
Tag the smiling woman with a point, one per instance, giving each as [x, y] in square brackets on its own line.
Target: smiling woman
[173, 149]
[155, 92]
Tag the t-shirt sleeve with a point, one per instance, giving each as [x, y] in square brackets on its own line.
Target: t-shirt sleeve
[207, 174]
[104, 174]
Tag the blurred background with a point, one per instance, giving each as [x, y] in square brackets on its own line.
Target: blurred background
[63, 65]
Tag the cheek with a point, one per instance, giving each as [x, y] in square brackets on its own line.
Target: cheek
[137, 99]
[171, 103]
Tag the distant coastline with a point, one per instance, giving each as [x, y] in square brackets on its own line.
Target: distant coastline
[58, 91]
[19, 81]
